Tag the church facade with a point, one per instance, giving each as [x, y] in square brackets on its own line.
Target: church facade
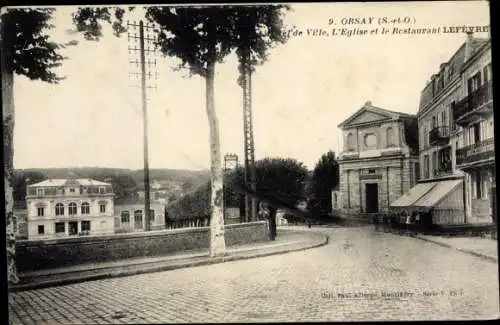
[379, 161]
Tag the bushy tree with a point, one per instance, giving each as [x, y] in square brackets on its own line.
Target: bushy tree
[194, 204]
[325, 177]
[278, 179]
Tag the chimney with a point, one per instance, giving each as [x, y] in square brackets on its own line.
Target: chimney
[468, 45]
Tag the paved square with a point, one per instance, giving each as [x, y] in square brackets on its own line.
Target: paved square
[359, 275]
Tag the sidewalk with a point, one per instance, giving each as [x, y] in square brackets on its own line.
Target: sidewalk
[482, 247]
[286, 241]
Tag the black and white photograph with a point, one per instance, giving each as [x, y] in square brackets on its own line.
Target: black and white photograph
[250, 162]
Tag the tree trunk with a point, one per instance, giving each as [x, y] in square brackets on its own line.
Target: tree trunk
[217, 242]
[272, 223]
[8, 154]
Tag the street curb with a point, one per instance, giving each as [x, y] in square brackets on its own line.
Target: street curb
[486, 257]
[152, 269]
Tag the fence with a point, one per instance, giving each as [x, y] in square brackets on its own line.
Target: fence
[189, 222]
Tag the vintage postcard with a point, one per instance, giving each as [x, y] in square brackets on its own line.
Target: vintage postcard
[249, 163]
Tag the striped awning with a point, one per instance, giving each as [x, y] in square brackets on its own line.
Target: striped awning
[437, 193]
[426, 195]
[413, 195]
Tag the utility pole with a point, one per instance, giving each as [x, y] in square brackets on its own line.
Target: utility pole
[250, 177]
[145, 75]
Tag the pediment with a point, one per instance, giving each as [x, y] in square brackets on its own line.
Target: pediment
[367, 117]
[368, 114]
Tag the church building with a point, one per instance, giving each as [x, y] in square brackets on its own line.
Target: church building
[379, 161]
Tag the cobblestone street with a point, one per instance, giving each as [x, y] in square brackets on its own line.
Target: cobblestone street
[359, 275]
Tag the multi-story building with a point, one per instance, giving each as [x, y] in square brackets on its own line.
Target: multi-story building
[69, 207]
[130, 216]
[445, 132]
[379, 161]
[475, 152]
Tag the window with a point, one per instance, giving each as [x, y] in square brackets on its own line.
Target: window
[85, 208]
[390, 136]
[476, 133]
[125, 216]
[151, 215]
[101, 190]
[371, 171]
[453, 125]
[473, 83]
[60, 227]
[59, 209]
[444, 159]
[41, 229]
[434, 162]
[426, 166]
[72, 190]
[370, 141]
[85, 225]
[434, 122]
[443, 118]
[72, 208]
[487, 73]
[478, 184]
[417, 171]
[102, 208]
[40, 211]
[138, 218]
[39, 191]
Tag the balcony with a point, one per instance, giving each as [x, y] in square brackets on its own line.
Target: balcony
[439, 136]
[477, 105]
[480, 152]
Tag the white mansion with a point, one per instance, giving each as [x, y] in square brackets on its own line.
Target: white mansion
[64, 207]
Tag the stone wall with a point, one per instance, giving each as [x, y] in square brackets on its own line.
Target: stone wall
[46, 254]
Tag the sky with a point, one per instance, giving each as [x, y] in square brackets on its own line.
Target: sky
[306, 88]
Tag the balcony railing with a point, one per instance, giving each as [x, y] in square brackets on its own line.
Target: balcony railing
[439, 135]
[477, 152]
[476, 99]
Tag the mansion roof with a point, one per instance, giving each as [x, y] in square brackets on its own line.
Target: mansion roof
[69, 182]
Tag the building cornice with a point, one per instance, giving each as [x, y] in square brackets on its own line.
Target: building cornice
[436, 100]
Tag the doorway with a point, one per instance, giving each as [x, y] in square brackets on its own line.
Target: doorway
[73, 228]
[371, 197]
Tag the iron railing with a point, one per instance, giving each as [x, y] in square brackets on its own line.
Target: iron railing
[474, 100]
[476, 152]
[439, 135]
